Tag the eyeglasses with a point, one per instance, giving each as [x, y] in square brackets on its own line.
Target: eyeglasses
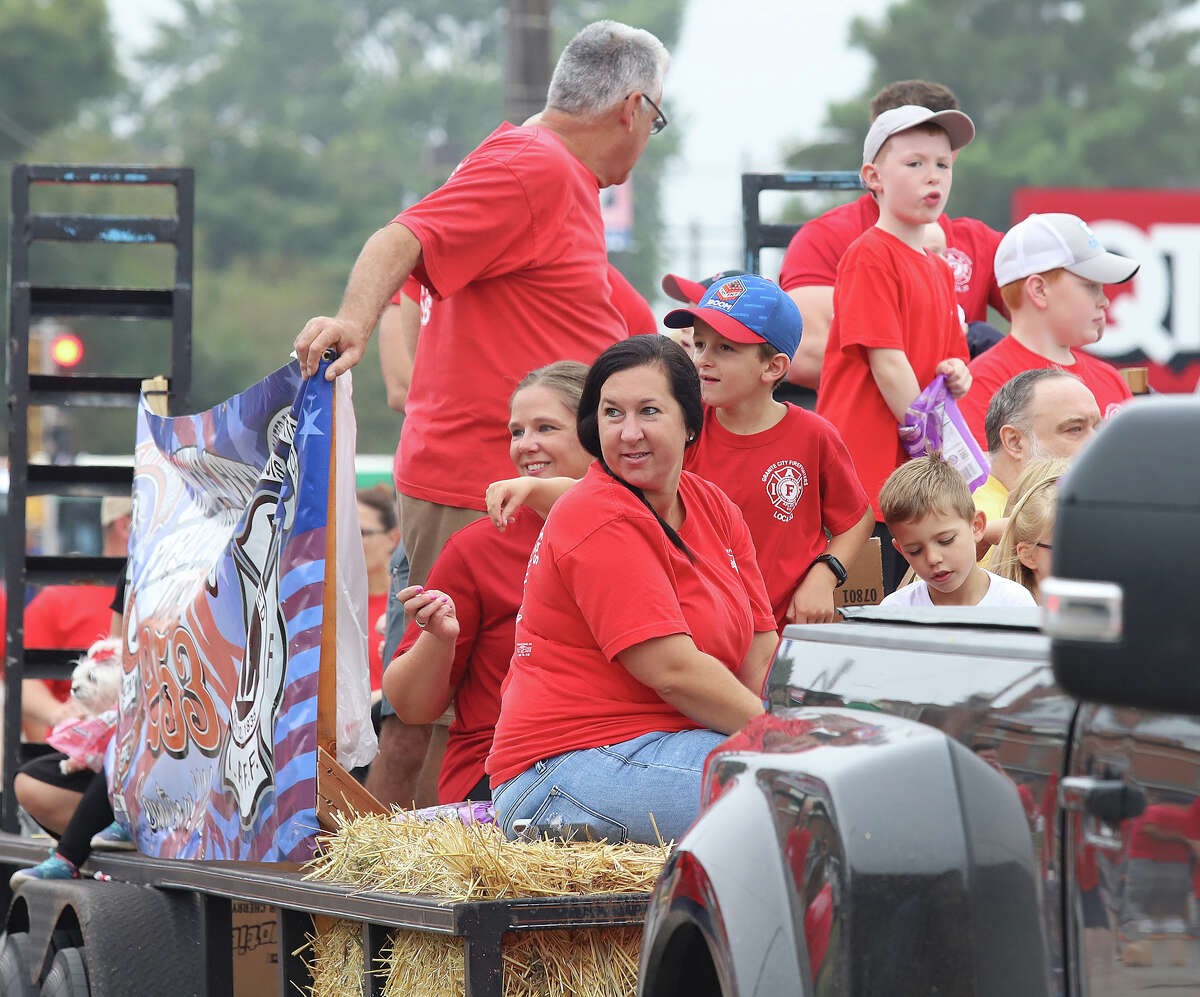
[1044, 546]
[372, 533]
[660, 119]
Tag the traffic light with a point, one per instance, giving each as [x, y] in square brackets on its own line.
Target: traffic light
[66, 350]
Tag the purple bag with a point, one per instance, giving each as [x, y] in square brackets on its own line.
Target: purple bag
[469, 813]
[933, 424]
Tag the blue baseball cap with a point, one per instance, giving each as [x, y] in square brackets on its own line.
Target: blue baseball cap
[747, 309]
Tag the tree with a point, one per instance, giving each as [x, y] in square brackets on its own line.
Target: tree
[1081, 93]
[55, 55]
[310, 125]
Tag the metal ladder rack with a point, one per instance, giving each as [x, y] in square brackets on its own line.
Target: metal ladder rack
[28, 302]
[760, 235]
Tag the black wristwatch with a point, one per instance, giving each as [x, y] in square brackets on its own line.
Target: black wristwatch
[834, 565]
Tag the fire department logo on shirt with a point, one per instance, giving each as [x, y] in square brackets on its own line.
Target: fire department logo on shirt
[785, 481]
[963, 267]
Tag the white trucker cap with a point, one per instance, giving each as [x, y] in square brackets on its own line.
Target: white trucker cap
[1048, 242]
[958, 126]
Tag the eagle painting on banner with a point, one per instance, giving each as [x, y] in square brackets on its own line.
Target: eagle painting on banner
[215, 753]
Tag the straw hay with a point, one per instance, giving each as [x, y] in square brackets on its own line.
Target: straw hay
[591, 962]
[337, 959]
[453, 862]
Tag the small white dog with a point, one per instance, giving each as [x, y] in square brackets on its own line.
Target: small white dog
[95, 688]
[96, 681]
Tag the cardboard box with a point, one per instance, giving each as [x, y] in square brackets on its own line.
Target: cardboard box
[255, 950]
[864, 578]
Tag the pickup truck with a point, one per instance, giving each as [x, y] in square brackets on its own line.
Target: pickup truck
[967, 802]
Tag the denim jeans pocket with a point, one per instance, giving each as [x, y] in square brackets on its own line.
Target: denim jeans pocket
[561, 809]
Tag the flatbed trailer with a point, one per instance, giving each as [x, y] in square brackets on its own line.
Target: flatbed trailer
[98, 920]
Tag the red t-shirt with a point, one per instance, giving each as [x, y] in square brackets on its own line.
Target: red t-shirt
[376, 607]
[813, 255]
[513, 252]
[602, 578]
[1008, 358]
[887, 296]
[790, 482]
[68, 617]
[634, 309]
[482, 570]
[1166, 817]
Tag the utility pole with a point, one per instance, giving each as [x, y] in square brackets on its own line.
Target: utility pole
[527, 71]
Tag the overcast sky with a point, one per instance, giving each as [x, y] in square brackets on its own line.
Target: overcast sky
[747, 77]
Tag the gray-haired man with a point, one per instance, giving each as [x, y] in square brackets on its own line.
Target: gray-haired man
[512, 249]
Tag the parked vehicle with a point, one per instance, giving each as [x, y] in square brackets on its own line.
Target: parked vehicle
[960, 802]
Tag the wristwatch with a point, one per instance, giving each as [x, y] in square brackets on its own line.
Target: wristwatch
[834, 565]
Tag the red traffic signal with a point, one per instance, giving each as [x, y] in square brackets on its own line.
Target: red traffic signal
[66, 349]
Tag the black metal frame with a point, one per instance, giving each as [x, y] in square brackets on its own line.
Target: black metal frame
[759, 235]
[29, 301]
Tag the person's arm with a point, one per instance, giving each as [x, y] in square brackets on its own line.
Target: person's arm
[812, 602]
[399, 328]
[816, 309]
[504, 498]
[385, 263]
[417, 682]
[696, 684]
[895, 379]
[993, 530]
[756, 664]
[41, 709]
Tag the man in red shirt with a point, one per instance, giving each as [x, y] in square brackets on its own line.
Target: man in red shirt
[1052, 272]
[810, 263]
[512, 249]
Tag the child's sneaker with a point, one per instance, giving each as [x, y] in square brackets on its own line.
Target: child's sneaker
[113, 838]
[55, 867]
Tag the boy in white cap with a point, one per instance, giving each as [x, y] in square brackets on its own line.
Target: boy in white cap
[1051, 270]
[895, 316]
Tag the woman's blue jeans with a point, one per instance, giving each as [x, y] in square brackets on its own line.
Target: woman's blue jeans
[614, 789]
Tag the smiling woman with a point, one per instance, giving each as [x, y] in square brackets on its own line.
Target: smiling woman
[460, 638]
[645, 631]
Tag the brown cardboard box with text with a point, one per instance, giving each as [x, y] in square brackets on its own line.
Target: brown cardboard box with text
[864, 578]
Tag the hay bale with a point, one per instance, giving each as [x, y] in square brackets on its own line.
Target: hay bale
[452, 862]
[455, 862]
[590, 962]
[337, 958]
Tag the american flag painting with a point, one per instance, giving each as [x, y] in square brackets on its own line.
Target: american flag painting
[215, 751]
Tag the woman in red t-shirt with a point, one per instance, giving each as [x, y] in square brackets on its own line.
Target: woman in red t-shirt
[460, 646]
[645, 630]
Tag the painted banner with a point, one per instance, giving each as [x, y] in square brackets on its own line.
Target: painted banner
[215, 751]
[1154, 319]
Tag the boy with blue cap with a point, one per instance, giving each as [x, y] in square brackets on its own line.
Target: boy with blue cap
[785, 467]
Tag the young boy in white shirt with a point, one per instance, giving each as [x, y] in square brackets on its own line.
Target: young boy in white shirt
[927, 507]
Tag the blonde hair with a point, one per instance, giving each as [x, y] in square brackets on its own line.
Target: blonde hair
[1013, 292]
[1030, 510]
[922, 486]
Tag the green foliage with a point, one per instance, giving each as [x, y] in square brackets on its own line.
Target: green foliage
[309, 125]
[54, 56]
[1084, 93]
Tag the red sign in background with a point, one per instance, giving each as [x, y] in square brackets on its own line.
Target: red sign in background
[1154, 319]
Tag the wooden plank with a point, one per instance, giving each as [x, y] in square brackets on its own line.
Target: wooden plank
[155, 389]
[339, 792]
[327, 672]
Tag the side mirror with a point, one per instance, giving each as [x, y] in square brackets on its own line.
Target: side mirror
[1123, 609]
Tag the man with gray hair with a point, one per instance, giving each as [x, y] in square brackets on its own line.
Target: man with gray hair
[1039, 413]
[511, 249]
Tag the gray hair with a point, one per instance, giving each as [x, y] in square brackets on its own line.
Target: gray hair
[1010, 404]
[604, 64]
